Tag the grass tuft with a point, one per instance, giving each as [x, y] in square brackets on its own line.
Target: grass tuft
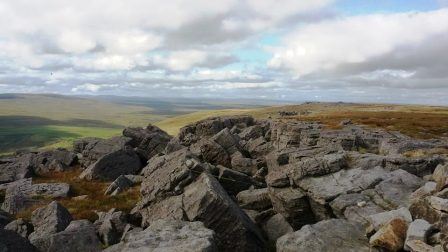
[85, 208]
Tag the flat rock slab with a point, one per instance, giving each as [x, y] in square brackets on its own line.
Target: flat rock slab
[330, 235]
[169, 235]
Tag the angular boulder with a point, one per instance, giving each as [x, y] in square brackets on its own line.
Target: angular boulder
[148, 142]
[49, 220]
[78, 236]
[391, 236]
[169, 235]
[110, 166]
[330, 235]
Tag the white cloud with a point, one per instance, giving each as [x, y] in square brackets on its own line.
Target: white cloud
[92, 88]
[355, 39]
[75, 42]
[182, 60]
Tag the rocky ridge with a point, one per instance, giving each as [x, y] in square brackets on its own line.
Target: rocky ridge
[238, 184]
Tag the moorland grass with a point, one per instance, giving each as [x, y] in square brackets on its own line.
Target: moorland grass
[84, 208]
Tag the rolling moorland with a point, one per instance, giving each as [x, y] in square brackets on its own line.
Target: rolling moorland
[275, 175]
[50, 121]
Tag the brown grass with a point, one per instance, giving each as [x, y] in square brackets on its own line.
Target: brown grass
[415, 124]
[84, 209]
[426, 152]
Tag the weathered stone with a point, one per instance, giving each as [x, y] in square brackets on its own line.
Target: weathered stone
[391, 236]
[11, 241]
[49, 220]
[276, 226]
[318, 166]
[326, 188]
[148, 142]
[227, 141]
[293, 205]
[167, 175]
[438, 203]
[417, 166]
[255, 199]
[54, 160]
[419, 246]
[206, 200]
[397, 188]
[78, 236]
[22, 193]
[252, 132]
[110, 226]
[258, 148]
[245, 165]
[93, 149]
[344, 201]
[16, 168]
[360, 214]
[428, 189]
[417, 231]
[169, 235]
[119, 185]
[211, 152]
[440, 176]
[377, 221]
[112, 165]
[330, 235]
[21, 227]
[234, 182]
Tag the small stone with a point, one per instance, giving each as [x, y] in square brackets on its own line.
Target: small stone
[418, 230]
[439, 203]
[189, 163]
[362, 204]
[80, 197]
[391, 236]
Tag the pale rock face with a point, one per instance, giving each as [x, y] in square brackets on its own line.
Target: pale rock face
[390, 236]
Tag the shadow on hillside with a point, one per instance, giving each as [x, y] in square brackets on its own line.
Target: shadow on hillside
[27, 121]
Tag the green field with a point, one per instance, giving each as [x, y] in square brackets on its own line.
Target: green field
[40, 121]
[49, 121]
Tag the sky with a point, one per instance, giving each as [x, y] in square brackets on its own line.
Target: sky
[388, 51]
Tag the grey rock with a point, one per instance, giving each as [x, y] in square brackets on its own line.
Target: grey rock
[169, 235]
[245, 165]
[233, 181]
[255, 199]
[293, 204]
[17, 168]
[252, 132]
[417, 166]
[119, 185]
[391, 236]
[377, 221]
[326, 188]
[93, 149]
[10, 241]
[418, 231]
[438, 203]
[227, 141]
[211, 152]
[22, 193]
[330, 235]
[148, 142]
[167, 175]
[318, 166]
[49, 220]
[112, 165]
[21, 227]
[54, 160]
[276, 226]
[211, 126]
[440, 176]
[78, 236]
[398, 187]
[427, 189]
[343, 201]
[111, 226]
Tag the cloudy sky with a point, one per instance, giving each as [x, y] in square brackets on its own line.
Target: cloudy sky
[329, 50]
